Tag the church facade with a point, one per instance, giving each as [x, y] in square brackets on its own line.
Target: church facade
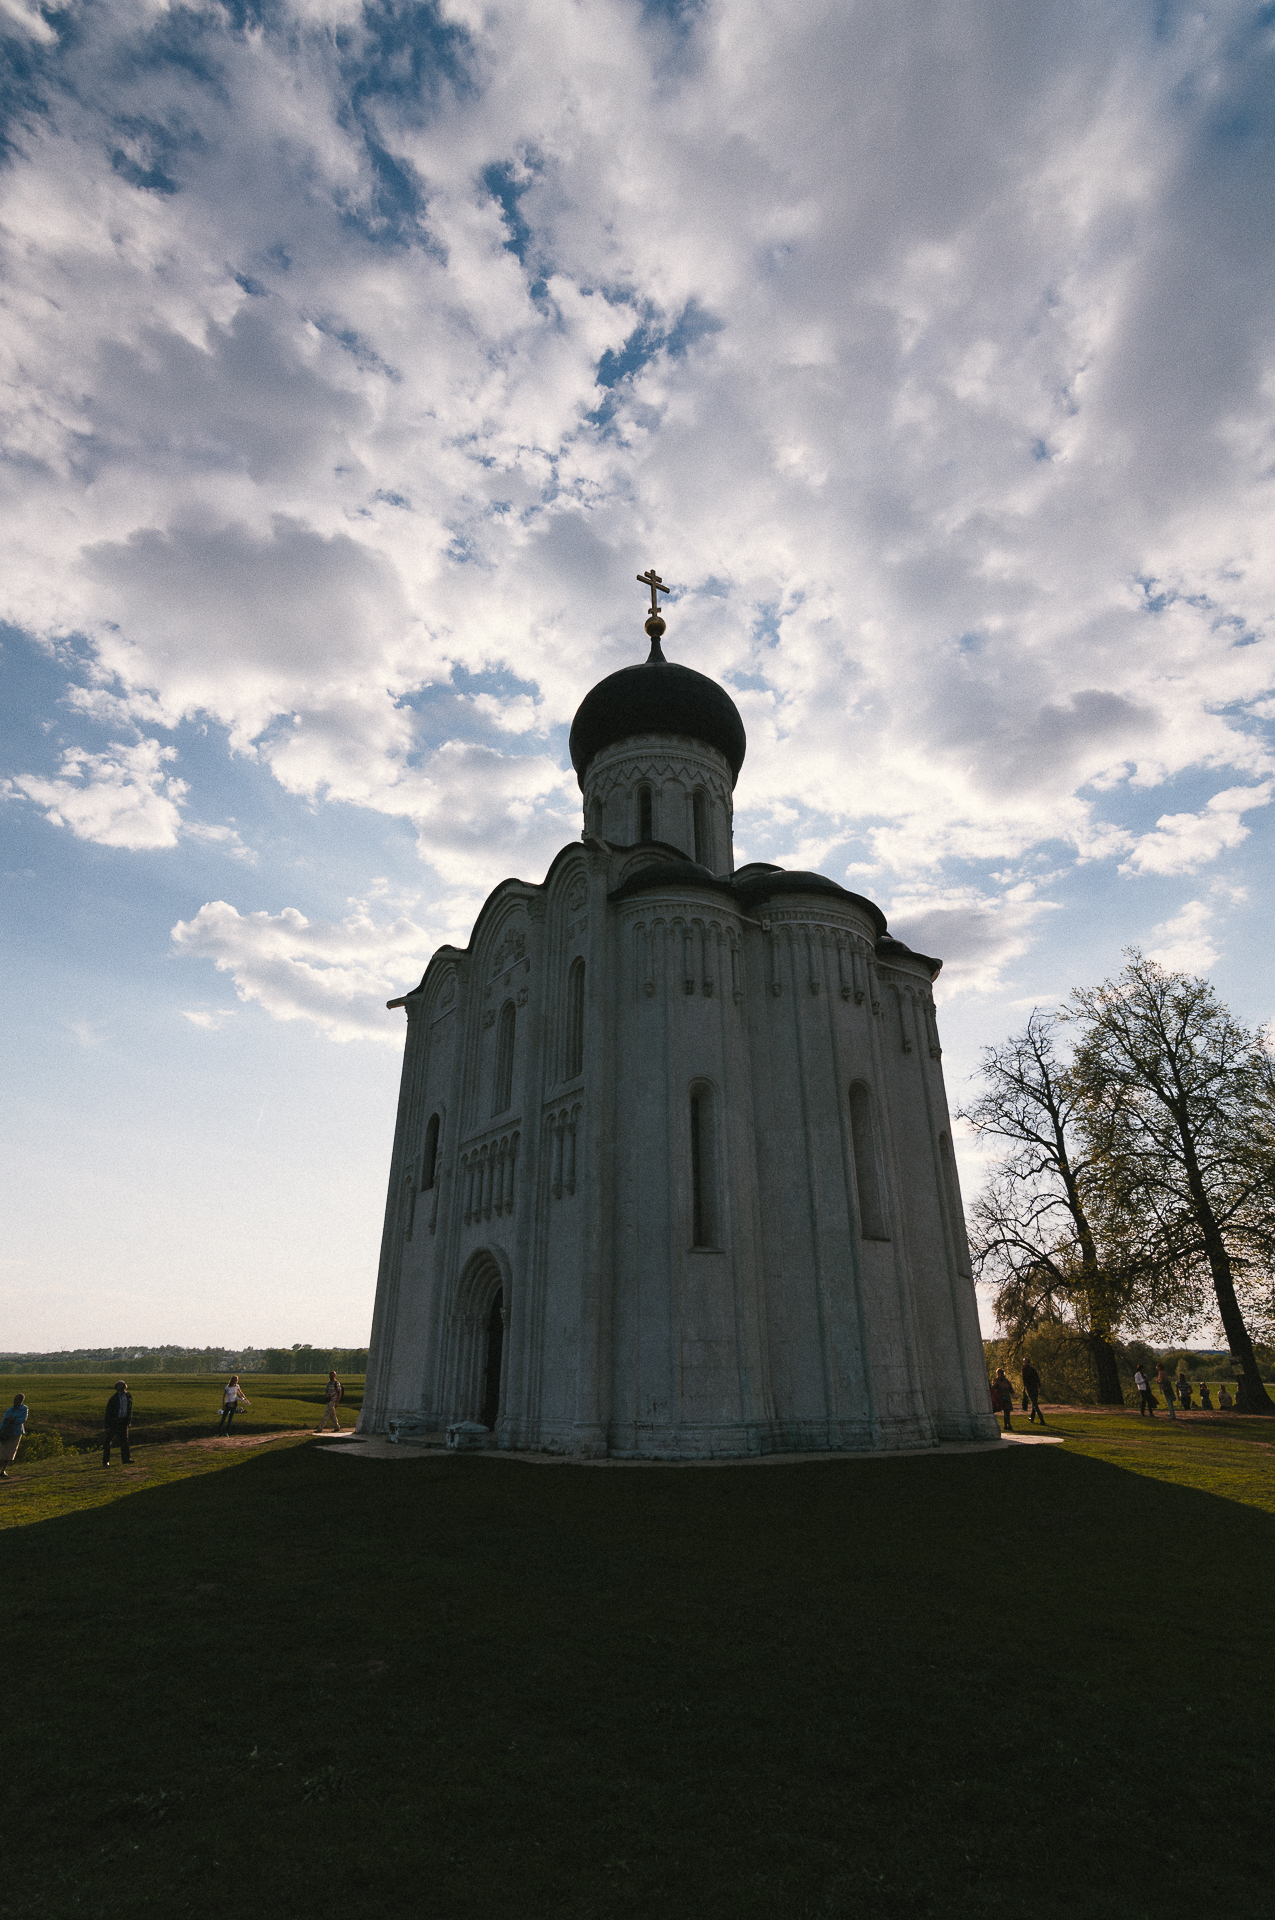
[672, 1174]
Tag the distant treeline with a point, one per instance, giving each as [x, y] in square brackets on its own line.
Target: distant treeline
[138, 1360]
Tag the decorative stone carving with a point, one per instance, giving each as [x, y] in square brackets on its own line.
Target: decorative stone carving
[511, 948]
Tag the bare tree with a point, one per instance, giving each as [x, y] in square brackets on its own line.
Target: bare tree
[1032, 1233]
[1175, 1101]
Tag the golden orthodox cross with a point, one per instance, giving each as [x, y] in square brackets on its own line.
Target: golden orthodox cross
[652, 580]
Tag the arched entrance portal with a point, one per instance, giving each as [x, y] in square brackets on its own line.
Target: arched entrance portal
[495, 1355]
[474, 1365]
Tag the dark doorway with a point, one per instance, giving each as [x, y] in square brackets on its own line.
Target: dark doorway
[495, 1353]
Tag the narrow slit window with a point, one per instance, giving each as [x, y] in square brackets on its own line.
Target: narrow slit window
[704, 1230]
[956, 1212]
[573, 1049]
[867, 1176]
[429, 1160]
[703, 828]
[504, 1093]
[644, 814]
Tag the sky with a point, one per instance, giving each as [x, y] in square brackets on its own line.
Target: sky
[356, 357]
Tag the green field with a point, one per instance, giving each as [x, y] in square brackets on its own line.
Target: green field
[174, 1406]
[1037, 1680]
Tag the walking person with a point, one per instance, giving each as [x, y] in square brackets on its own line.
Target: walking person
[1184, 1393]
[1143, 1385]
[231, 1400]
[1003, 1395]
[333, 1394]
[1165, 1385]
[119, 1411]
[1224, 1400]
[12, 1429]
[1031, 1388]
[1206, 1398]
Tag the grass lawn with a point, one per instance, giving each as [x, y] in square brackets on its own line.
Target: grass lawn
[174, 1406]
[1038, 1681]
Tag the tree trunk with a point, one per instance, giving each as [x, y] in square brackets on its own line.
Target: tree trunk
[1106, 1369]
[1251, 1395]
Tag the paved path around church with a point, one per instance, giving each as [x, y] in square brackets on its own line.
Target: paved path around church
[375, 1447]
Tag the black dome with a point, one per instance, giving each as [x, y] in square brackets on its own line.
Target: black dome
[657, 697]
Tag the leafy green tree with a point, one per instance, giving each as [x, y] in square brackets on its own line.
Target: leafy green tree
[1032, 1236]
[1176, 1101]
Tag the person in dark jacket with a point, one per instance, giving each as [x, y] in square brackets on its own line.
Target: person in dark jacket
[12, 1428]
[1031, 1387]
[1206, 1398]
[1184, 1393]
[1003, 1395]
[119, 1411]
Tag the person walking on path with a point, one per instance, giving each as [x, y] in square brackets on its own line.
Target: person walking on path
[1165, 1385]
[231, 1400]
[1003, 1395]
[1184, 1393]
[1206, 1398]
[12, 1429]
[1031, 1387]
[1143, 1385]
[1224, 1400]
[333, 1394]
[119, 1411]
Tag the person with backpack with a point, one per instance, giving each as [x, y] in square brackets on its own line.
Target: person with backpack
[119, 1411]
[333, 1394]
[12, 1428]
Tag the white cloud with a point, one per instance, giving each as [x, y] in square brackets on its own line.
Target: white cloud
[1184, 842]
[1186, 942]
[124, 797]
[955, 444]
[975, 935]
[209, 1021]
[335, 974]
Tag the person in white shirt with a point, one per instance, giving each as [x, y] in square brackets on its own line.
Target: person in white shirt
[231, 1400]
[1143, 1385]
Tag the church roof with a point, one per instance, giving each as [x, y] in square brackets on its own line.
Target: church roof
[657, 697]
[751, 886]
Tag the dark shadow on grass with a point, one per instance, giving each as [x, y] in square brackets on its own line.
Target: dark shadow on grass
[835, 1689]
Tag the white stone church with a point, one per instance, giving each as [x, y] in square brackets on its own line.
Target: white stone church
[673, 1174]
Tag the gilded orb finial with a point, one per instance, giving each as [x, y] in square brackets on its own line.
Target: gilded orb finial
[654, 620]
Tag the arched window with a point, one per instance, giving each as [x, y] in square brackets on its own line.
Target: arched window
[705, 1224]
[429, 1159]
[956, 1212]
[644, 814]
[573, 1035]
[867, 1176]
[703, 827]
[502, 1098]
